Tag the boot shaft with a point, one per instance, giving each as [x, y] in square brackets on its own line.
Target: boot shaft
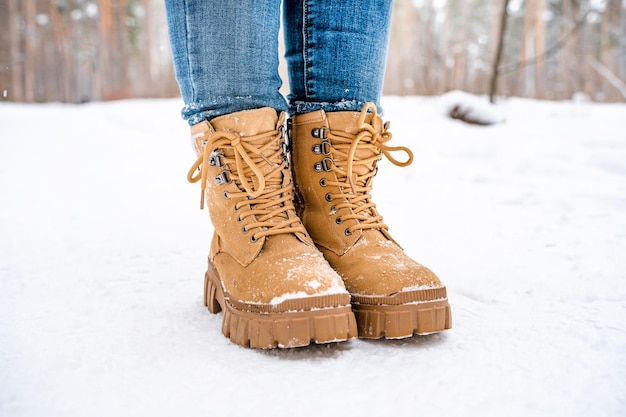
[245, 181]
[335, 158]
[313, 160]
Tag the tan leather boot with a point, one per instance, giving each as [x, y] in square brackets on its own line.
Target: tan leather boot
[334, 162]
[265, 273]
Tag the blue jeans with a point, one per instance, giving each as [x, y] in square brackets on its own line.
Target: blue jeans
[225, 54]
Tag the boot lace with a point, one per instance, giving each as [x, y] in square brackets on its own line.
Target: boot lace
[261, 175]
[355, 159]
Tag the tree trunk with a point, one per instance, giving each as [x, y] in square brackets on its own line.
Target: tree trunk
[16, 91]
[540, 49]
[493, 86]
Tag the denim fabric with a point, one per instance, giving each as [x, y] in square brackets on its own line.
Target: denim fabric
[336, 51]
[225, 54]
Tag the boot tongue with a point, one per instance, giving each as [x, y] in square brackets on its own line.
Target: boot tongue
[348, 122]
[247, 123]
[250, 123]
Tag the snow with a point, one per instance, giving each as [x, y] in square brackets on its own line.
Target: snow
[103, 250]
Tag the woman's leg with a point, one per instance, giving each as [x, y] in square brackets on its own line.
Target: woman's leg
[264, 271]
[225, 55]
[336, 52]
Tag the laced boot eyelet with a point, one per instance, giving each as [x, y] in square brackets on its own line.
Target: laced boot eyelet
[226, 196]
[319, 132]
[253, 239]
[338, 220]
[244, 230]
[347, 232]
[328, 197]
[222, 178]
[323, 182]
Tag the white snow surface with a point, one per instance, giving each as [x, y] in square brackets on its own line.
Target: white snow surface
[103, 251]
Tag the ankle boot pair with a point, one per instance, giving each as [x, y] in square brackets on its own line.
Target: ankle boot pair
[311, 261]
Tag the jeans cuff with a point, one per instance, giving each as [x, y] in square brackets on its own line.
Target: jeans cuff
[206, 110]
[300, 107]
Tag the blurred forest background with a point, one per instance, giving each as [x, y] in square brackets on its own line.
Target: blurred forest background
[90, 50]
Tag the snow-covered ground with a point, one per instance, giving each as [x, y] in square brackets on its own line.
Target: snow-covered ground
[103, 248]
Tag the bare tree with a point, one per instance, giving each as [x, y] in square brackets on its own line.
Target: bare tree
[540, 49]
[493, 86]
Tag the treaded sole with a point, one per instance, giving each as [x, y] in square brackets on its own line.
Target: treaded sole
[401, 321]
[284, 329]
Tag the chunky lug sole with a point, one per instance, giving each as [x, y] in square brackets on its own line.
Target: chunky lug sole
[403, 314]
[292, 323]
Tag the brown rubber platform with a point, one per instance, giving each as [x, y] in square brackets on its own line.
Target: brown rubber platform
[403, 314]
[292, 323]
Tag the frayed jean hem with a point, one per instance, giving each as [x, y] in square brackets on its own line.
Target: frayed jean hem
[300, 107]
[206, 110]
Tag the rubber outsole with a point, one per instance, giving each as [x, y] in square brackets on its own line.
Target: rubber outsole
[414, 312]
[321, 319]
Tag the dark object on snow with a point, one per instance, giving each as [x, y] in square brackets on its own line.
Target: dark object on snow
[466, 114]
[471, 109]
